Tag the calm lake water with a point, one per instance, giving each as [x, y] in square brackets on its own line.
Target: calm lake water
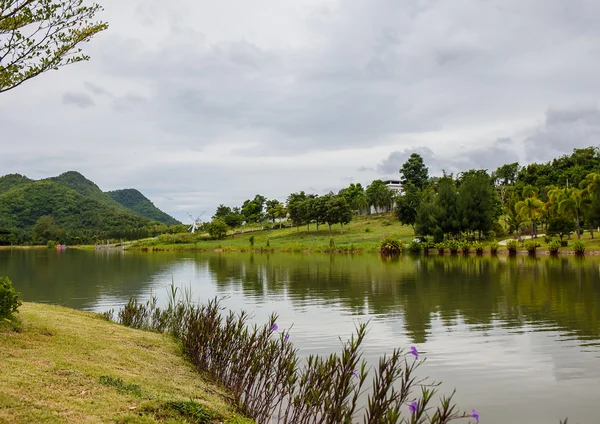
[519, 338]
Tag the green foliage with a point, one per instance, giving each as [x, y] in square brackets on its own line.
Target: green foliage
[554, 247]
[121, 386]
[531, 246]
[252, 210]
[355, 196]
[9, 299]
[337, 211]
[478, 247]
[494, 247]
[407, 205]
[476, 203]
[465, 247]
[512, 246]
[578, 247]
[182, 411]
[11, 181]
[415, 247]
[217, 228]
[368, 230]
[390, 246]
[441, 247]
[560, 226]
[135, 201]
[506, 175]
[251, 240]
[453, 246]
[414, 172]
[41, 35]
[446, 210]
[379, 196]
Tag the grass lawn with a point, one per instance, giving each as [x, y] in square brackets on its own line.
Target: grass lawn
[65, 366]
[364, 233]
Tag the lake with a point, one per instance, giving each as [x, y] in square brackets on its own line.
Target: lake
[519, 338]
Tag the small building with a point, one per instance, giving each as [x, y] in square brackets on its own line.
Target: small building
[394, 185]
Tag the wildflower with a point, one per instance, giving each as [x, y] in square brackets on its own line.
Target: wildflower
[414, 351]
[355, 374]
[287, 337]
[413, 407]
[308, 377]
[475, 415]
[274, 327]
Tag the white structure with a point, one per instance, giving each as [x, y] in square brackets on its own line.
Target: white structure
[394, 185]
[196, 223]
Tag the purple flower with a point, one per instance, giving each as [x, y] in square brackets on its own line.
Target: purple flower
[287, 337]
[414, 351]
[413, 407]
[355, 374]
[475, 415]
[274, 327]
[308, 377]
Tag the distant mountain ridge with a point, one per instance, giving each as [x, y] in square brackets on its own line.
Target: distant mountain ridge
[133, 200]
[75, 205]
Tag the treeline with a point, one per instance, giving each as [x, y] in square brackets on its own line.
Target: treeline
[560, 196]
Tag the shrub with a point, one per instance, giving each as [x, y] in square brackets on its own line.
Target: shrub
[390, 246]
[494, 247]
[564, 243]
[251, 240]
[531, 246]
[578, 247]
[217, 228]
[415, 247]
[51, 244]
[441, 247]
[465, 247]
[548, 239]
[512, 246]
[478, 246]
[453, 246]
[9, 298]
[554, 247]
[386, 223]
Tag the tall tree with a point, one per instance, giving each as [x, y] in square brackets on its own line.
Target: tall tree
[446, 207]
[379, 196]
[506, 175]
[222, 211]
[407, 205]
[296, 210]
[39, 35]
[253, 209]
[355, 196]
[270, 206]
[415, 172]
[338, 212]
[530, 210]
[476, 203]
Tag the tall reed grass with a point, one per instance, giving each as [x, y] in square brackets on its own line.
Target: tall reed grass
[271, 383]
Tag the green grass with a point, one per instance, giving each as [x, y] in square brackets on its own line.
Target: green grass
[65, 366]
[363, 234]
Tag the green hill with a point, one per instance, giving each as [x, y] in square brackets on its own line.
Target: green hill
[133, 200]
[72, 209]
[11, 181]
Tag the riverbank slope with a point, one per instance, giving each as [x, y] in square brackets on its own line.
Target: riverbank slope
[68, 366]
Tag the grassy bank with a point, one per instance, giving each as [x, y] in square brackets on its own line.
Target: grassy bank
[69, 366]
[363, 234]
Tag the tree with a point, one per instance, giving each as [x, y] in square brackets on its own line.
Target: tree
[407, 205]
[338, 211]
[530, 210]
[476, 203]
[252, 210]
[415, 172]
[46, 230]
[296, 209]
[506, 175]
[425, 222]
[270, 208]
[222, 211]
[560, 226]
[279, 212]
[379, 196]
[39, 35]
[355, 196]
[217, 228]
[446, 211]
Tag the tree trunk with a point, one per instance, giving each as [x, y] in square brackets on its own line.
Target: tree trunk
[592, 231]
[342, 228]
[329, 228]
[578, 227]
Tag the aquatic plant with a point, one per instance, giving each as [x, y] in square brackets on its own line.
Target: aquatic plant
[478, 246]
[512, 246]
[554, 247]
[441, 247]
[465, 247]
[269, 382]
[531, 246]
[415, 247]
[494, 247]
[390, 246]
[578, 247]
[453, 246]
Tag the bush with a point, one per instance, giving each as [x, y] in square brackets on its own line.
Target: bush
[494, 247]
[415, 247]
[548, 239]
[465, 247]
[452, 246]
[478, 248]
[564, 243]
[9, 298]
[217, 228]
[51, 244]
[512, 246]
[554, 247]
[441, 247]
[578, 247]
[531, 246]
[386, 223]
[390, 246]
[251, 240]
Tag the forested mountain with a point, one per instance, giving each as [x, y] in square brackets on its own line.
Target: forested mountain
[133, 200]
[69, 209]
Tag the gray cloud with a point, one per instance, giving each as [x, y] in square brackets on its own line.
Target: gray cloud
[318, 95]
[81, 100]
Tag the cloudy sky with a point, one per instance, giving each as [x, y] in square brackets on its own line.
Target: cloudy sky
[198, 102]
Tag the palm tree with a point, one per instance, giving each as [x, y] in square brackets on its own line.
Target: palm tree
[588, 189]
[530, 209]
[572, 202]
